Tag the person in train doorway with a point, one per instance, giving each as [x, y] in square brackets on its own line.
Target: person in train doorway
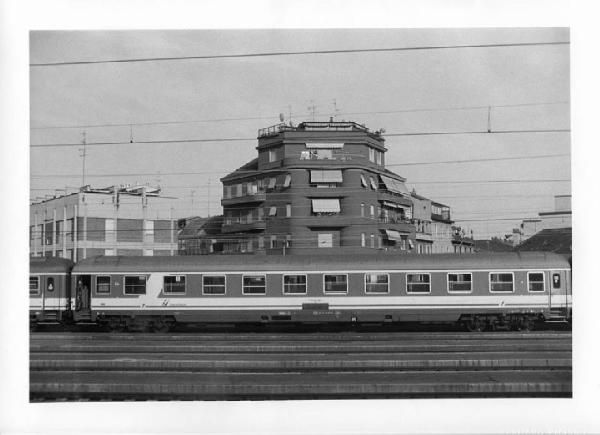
[78, 295]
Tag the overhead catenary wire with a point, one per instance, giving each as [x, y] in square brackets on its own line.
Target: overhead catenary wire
[297, 53]
[237, 139]
[140, 174]
[255, 118]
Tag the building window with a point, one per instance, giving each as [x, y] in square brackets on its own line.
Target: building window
[379, 241]
[502, 282]
[372, 211]
[34, 285]
[379, 157]
[326, 206]
[335, 283]
[213, 285]
[363, 240]
[261, 242]
[50, 284]
[109, 252]
[102, 284]
[363, 181]
[273, 211]
[174, 284]
[325, 240]
[294, 284]
[135, 285]
[273, 242]
[272, 155]
[288, 180]
[372, 155]
[148, 252]
[460, 282]
[373, 183]
[535, 281]
[362, 209]
[272, 183]
[377, 283]
[254, 285]
[288, 241]
[288, 210]
[372, 236]
[418, 283]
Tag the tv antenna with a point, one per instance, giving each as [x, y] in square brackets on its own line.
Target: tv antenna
[82, 154]
[312, 109]
[336, 111]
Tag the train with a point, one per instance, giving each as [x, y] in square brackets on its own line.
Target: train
[476, 291]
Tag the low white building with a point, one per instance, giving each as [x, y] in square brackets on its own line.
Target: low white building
[117, 220]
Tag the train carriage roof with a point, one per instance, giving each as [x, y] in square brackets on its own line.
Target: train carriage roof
[49, 265]
[249, 263]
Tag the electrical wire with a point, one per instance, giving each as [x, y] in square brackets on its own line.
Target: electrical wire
[296, 53]
[256, 118]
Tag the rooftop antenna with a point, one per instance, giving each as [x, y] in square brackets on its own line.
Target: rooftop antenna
[312, 109]
[336, 111]
[130, 133]
[82, 155]
[489, 123]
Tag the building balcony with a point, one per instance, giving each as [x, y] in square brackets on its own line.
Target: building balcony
[398, 224]
[458, 239]
[444, 217]
[232, 225]
[386, 195]
[424, 236]
[246, 199]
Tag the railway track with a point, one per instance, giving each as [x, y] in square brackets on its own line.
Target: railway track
[233, 366]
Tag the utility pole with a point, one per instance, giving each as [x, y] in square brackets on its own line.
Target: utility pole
[208, 197]
[82, 155]
[335, 109]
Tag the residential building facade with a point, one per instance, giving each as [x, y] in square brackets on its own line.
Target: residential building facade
[317, 186]
[117, 220]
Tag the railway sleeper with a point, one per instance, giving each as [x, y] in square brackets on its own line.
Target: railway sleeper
[499, 321]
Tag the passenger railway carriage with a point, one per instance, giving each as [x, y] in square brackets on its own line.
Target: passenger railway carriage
[49, 288]
[510, 290]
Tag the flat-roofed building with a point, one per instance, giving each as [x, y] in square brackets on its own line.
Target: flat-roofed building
[117, 220]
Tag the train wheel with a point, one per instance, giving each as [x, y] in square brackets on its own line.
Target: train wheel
[116, 325]
[475, 325]
[160, 326]
[526, 324]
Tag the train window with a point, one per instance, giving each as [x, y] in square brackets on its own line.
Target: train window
[460, 282]
[294, 284]
[135, 285]
[501, 282]
[174, 284]
[34, 285]
[254, 285]
[213, 284]
[556, 280]
[103, 284]
[335, 283]
[418, 283]
[377, 283]
[535, 281]
[50, 284]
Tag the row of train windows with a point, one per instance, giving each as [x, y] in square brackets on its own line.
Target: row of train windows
[416, 283]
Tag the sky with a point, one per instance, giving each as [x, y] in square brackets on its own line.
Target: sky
[416, 91]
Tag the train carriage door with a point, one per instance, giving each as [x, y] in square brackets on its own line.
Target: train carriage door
[82, 295]
[558, 294]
